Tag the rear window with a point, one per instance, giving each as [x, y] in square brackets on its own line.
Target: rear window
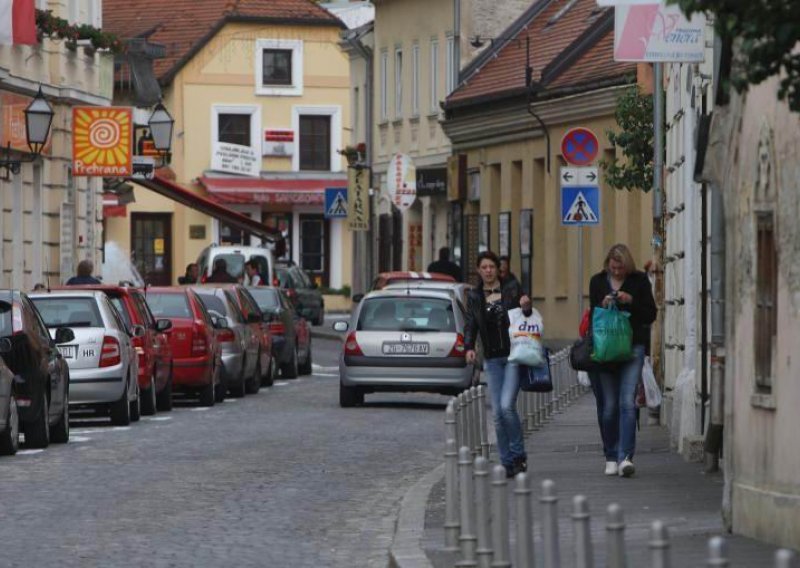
[169, 305]
[266, 299]
[69, 312]
[234, 261]
[406, 314]
[213, 303]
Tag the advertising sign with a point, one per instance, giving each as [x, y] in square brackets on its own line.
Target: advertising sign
[657, 33]
[401, 182]
[12, 125]
[431, 181]
[235, 159]
[358, 199]
[102, 141]
[278, 142]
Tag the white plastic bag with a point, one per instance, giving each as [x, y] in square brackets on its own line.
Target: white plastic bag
[651, 391]
[583, 379]
[525, 333]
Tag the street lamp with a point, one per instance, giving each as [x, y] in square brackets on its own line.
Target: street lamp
[161, 124]
[38, 119]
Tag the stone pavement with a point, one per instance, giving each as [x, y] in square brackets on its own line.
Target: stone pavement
[567, 450]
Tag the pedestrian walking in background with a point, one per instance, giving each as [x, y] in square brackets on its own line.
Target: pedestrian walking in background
[505, 270]
[614, 385]
[84, 276]
[446, 266]
[487, 317]
[191, 275]
[220, 273]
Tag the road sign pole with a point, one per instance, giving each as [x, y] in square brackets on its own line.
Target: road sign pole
[580, 272]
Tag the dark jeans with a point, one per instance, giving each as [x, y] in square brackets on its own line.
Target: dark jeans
[615, 392]
[503, 380]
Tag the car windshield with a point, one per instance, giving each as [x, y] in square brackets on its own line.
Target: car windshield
[234, 261]
[266, 299]
[213, 303]
[58, 311]
[168, 305]
[406, 314]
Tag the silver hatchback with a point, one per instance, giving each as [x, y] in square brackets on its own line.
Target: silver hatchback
[401, 341]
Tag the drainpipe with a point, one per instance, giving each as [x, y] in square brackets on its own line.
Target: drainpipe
[456, 70]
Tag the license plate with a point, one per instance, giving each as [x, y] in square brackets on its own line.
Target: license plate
[68, 351]
[398, 348]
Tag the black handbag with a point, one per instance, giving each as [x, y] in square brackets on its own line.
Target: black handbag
[536, 379]
[580, 355]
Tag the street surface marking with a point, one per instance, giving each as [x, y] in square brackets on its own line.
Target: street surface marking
[120, 428]
[157, 418]
[281, 384]
[326, 374]
[320, 369]
[28, 452]
[229, 400]
[200, 409]
[79, 439]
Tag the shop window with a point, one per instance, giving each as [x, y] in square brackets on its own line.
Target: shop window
[766, 316]
[315, 142]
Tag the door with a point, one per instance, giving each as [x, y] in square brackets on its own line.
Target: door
[151, 243]
[314, 247]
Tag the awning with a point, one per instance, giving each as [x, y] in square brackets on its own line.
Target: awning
[293, 191]
[197, 202]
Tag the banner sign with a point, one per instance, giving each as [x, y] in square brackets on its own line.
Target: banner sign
[401, 181]
[358, 199]
[235, 159]
[658, 34]
[102, 141]
[278, 143]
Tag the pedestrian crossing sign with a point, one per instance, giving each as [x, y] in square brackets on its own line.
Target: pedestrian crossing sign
[580, 205]
[335, 202]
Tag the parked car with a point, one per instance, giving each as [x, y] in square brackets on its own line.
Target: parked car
[103, 363]
[9, 415]
[196, 351]
[253, 317]
[403, 340]
[291, 336]
[153, 348]
[458, 290]
[385, 278]
[235, 257]
[240, 343]
[41, 389]
[302, 291]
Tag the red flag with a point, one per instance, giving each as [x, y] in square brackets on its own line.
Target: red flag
[18, 22]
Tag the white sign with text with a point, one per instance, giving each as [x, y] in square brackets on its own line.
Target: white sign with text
[235, 159]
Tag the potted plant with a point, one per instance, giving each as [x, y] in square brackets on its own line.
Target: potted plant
[354, 154]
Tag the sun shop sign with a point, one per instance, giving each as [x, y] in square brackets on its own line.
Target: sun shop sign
[102, 141]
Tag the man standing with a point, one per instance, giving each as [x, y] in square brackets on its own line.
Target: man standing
[85, 269]
[445, 266]
[220, 273]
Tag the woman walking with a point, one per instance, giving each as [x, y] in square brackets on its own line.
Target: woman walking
[487, 317]
[614, 386]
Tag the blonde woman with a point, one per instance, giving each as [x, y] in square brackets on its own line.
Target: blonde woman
[614, 387]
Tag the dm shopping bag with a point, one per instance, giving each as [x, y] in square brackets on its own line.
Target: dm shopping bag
[536, 379]
[612, 335]
[526, 338]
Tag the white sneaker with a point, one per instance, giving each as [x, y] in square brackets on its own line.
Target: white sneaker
[626, 468]
[611, 468]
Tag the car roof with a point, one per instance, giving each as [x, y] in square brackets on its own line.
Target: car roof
[410, 293]
[168, 289]
[426, 284]
[411, 275]
[63, 292]
[234, 248]
[99, 287]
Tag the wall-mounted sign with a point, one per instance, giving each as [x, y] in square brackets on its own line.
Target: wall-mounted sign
[456, 177]
[12, 125]
[197, 231]
[235, 159]
[431, 182]
[358, 199]
[401, 181]
[278, 142]
[658, 33]
[102, 141]
[335, 202]
[144, 167]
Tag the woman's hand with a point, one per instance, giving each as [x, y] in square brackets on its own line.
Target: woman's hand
[470, 356]
[525, 302]
[624, 298]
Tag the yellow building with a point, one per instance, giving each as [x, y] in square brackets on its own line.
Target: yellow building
[509, 197]
[49, 220]
[260, 97]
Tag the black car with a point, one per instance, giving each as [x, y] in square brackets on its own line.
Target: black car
[9, 416]
[302, 291]
[41, 376]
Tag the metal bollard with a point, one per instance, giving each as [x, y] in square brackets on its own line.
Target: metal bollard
[556, 393]
[500, 540]
[549, 502]
[522, 498]
[484, 433]
[530, 412]
[482, 512]
[462, 419]
[659, 545]
[474, 420]
[785, 558]
[451, 519]
[581, 523]
[717, 552]
[450, 424]
[615, 537]
[468, 419]
[467, 539]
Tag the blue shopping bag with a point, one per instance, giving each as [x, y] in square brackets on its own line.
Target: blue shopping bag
[536, 379]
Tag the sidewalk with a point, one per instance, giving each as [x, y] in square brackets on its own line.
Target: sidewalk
[665, 487]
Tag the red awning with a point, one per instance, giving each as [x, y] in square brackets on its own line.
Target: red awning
[188, 198]
[310, 191]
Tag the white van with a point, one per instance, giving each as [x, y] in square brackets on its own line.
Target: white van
[235, 257]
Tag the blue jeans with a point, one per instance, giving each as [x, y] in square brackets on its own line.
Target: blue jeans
[615, 392]
[503, 381]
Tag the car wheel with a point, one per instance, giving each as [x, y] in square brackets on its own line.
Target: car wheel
[254, 384]
[208, 395]
[9, 438]
[305, 368]
[136, 405]
[121, 410]
[269, 378]
[164, 398]
[238, 390]
[350, 396]
[37, 432]
[60, 432]
[148, 398]
[289, 370]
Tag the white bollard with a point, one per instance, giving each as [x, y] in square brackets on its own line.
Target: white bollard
[451, 519]
[615, 537]
[549, 502]
[717, 552]
[581, 523]
[474, 421]
[659, 545]
[785, 559]
[484, 432]
[467, 539]
[483, 512]
[500, 536]
[450, 424]
[522, 499]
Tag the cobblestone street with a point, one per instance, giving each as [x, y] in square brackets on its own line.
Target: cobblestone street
[284, 478]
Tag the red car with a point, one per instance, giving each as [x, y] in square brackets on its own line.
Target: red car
[153, 347]
[196, 351]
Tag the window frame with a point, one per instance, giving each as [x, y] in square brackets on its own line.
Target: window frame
[335, 112]
[415, 79]
[384, 82]
[765, 316]
[398, 83]
[449, 64]
[301, 150]
[434, 76]
[295, 89]
[255, 123]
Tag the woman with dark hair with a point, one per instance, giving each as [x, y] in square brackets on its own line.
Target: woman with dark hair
[487, 317]
[620, 284]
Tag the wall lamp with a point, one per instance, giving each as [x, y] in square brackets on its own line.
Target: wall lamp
[38, 119]
[161, 125]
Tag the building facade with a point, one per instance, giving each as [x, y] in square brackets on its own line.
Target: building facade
[49, 219]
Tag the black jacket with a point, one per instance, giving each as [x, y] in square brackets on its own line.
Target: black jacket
[496, 343]
[446, 267]
[642, 308]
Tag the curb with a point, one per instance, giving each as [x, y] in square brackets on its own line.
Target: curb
[406, 550]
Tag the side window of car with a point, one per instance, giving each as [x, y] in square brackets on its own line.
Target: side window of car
[203, 310]
[233, 307]
[36, 320]
[248, 302]
[144, 310]
[117, 320]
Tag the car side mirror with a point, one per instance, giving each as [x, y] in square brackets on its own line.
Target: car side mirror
[220, 323]
[163, 325]
[64, 335]
[6, 346]
[341, 326]
[137, 331]
[253, 318]
[358, 297]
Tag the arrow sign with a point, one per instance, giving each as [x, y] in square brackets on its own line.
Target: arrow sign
[569, 176]
[587, 176]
